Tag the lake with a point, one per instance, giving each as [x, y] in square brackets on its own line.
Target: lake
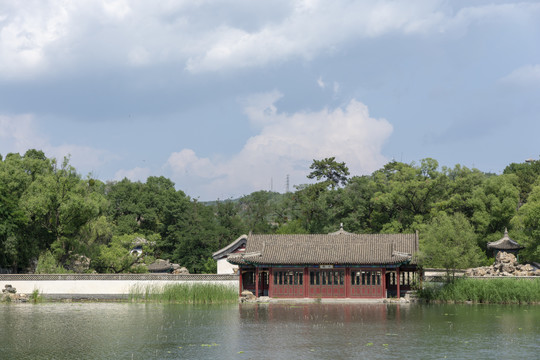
[268, 331]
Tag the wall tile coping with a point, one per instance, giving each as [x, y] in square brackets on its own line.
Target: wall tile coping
[136, 277]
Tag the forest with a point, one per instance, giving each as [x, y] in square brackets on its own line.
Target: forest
[51, 216]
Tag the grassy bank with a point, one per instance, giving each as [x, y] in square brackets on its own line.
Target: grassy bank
[185, 294]
[492, 291]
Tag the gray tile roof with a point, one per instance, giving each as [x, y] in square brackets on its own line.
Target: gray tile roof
[336, 248]
[505, 243]
[232, 247]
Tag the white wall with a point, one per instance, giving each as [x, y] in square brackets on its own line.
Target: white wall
[225, 267]
[95, 287]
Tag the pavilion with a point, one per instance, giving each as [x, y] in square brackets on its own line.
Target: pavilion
[505, 244]
[335, 265]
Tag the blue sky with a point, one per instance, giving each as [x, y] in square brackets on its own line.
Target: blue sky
[229, 97]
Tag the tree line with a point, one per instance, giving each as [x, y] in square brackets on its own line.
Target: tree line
[50, 215]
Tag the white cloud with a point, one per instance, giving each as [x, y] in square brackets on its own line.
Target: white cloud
[528, 75]
[260, 108]
[313, 27]
[47, 36]
[187, 163]
[23, 132]
[321, 83]
[18, 134]
[25, 33]
[135, 174]
[139, 56]
[287, 144]
[117, 9]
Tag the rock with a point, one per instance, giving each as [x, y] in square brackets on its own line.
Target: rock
[9, 289]
[505, 258]
[78, 263]
[10, 295]
[160, 266]
[505, 265]
[248, 295]
[182, 271]
[508, 268]
[527, 267]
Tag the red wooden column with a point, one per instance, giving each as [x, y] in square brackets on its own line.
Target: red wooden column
[383, 282]
[257, 282]
[398, 283]
[306, 282]
[347, 282]
[270, 281]
[240, 281]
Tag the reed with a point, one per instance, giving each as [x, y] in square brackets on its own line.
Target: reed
[493, 291]
[184, 293]
[35, 297]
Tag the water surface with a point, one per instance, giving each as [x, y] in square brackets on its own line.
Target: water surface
[271, 331]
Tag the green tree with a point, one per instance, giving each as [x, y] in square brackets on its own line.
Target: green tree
[195, 238]
[310, 200]
[461, 185]
[115, 257]
[229, 222]
[449, 242]
[18, 246]
[258, 210]
[406, 195]
[292, 227]
[47, 264]
[353, 205]
[495, 203]
[59, 203]
[526, 225]
[334, 173]
[527, 174]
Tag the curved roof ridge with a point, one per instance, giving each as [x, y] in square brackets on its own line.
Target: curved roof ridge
[505, 243]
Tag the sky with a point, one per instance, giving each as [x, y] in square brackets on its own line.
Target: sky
[228, 97]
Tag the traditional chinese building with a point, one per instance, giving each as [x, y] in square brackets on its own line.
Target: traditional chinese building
[505, 244]
[335, 265]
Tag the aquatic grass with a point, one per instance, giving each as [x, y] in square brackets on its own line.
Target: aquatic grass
[35, 297]
[493, 291]
[194, 293]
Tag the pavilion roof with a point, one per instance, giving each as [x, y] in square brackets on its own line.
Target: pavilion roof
[505, 243]
[339, 248]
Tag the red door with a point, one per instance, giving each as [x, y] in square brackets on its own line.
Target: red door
[366, 283]
[327, 283]
[263, 283]
[288, 283]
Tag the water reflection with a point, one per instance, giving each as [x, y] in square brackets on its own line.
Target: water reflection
[267, 331]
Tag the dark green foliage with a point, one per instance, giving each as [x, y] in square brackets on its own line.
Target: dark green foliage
[527, 174]
[229, 222]
[115, 256]
[450, 242]
[47, 264]
[258, 211]
[195, 238]
[333, 172]
[49, 212]
[526, 226]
